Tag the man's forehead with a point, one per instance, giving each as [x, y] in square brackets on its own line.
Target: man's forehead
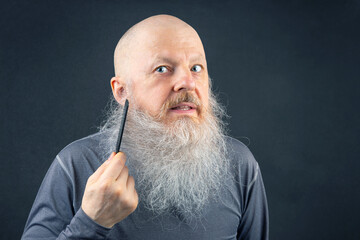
[165, 40]
[173, 58]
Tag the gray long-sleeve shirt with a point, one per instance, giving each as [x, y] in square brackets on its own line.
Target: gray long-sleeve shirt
[242, 212]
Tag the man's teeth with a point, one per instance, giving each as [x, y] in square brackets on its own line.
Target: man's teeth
[182, 108]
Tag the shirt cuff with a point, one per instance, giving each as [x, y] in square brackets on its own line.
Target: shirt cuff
[83, 226]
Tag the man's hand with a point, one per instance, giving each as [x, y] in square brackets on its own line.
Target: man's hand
[110, 194]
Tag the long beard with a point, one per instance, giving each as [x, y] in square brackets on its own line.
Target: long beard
[178, 165]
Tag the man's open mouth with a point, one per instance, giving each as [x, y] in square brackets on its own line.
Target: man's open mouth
[184, 106]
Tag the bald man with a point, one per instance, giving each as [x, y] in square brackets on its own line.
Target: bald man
[177, 176]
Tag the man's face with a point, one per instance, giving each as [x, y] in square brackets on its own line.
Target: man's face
[166, 65]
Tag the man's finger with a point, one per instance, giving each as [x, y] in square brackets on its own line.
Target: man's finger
[115, 166]
[102, 167]
[130, 184]
[122, 179]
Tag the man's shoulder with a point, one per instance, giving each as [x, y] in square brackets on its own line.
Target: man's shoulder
[240, 156]
[237, 148]
[89, 142]
[85, 149]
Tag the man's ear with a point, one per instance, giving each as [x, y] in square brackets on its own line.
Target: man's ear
[118, 87]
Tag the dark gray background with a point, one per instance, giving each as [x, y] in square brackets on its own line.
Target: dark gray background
[288, 72]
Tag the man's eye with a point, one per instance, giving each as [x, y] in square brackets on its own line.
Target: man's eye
[161, 69]
[196, 68]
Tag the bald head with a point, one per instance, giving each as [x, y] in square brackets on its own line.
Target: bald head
[147, 34]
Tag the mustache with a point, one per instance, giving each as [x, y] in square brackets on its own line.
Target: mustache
[182, 97]
[179, 98]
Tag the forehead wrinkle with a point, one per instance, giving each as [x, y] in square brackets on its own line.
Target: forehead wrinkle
[197, 58]
[164, 59]
[192, 57]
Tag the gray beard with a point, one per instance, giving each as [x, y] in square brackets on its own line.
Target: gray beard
[178, 166]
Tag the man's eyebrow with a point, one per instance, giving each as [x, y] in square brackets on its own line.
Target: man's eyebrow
[164, 59]
[197, 58]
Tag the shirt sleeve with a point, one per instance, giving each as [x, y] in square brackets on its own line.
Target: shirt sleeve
[255, 219]
[53, 215]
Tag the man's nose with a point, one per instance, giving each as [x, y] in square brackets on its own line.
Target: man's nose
[184, 80]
